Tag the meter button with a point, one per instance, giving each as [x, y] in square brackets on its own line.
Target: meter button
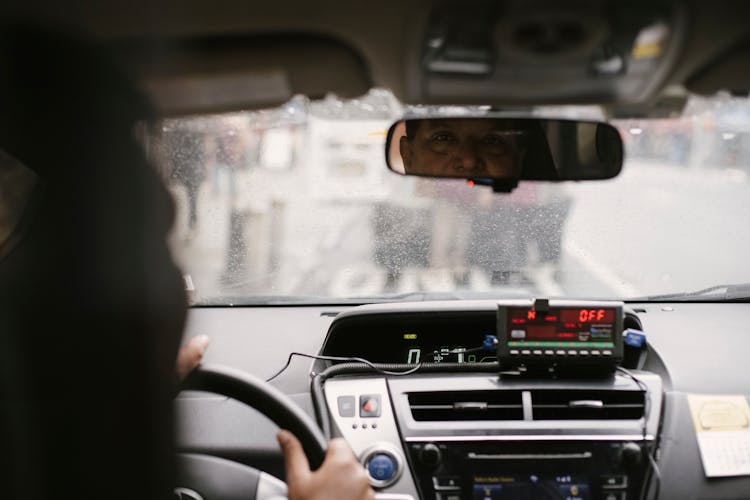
[369, 405]
[518, 334]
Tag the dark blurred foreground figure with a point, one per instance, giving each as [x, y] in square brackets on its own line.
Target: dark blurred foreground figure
[91, 305]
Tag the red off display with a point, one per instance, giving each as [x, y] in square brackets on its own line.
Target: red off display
[568, 324]
[587, 315]
[564, 316]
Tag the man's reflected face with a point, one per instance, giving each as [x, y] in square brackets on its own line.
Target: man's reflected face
[462, 147]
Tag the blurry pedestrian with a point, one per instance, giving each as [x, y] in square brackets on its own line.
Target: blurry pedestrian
[185, 155]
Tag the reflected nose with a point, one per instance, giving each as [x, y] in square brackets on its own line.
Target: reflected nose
[468, 159]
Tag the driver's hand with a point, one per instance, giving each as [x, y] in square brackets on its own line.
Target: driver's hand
[340, 476]
[190, 355]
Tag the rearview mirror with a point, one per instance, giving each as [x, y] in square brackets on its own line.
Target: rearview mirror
[504, 150]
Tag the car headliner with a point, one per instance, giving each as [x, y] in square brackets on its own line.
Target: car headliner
[230, 48]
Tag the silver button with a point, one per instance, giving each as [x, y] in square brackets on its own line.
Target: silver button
[537, 352]
[560, 352]
[525, 352]
[513, 352]
[595, 353]
[583, 353]
[572, 353]
[518, 334]
[607, 353]
[549, 352]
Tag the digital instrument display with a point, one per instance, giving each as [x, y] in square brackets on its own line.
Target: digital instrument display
[434, 338]
[560, 332]
[543, 487]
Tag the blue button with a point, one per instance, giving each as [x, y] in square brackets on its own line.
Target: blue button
[635, 338]
[381, 467]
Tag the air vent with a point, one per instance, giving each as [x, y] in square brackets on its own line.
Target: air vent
[466, 405]
[587, 405]
[631, 320]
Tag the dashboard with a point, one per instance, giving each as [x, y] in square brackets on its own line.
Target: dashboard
[462, 431]
[413, 338]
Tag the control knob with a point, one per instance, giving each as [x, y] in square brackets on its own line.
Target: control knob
[631, 455]
[430, 455]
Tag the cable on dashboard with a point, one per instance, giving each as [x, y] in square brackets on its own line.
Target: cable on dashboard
[408, 371]
[646, 413]
[360, 365]
[403, 369]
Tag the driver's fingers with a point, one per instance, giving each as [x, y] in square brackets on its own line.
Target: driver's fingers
[297, 466]
[190, 355]
[339, 449]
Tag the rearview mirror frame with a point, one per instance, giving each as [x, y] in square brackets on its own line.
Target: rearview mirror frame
[533, 149]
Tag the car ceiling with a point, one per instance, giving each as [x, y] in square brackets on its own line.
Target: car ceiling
[204, 56]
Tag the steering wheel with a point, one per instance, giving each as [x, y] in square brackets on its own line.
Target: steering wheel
[215, 478]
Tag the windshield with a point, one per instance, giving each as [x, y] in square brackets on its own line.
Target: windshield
[295, 204]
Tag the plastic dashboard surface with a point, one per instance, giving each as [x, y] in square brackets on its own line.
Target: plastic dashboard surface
[701, 348]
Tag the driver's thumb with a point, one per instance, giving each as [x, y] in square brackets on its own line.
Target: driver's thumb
[297, 466]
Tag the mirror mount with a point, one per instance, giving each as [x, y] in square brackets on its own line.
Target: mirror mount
[504, 185]
[498, 185]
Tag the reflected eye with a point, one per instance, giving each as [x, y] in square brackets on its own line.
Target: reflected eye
[443, 137]
[494, 140]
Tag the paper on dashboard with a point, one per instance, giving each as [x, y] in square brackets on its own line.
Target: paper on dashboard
[722, 426]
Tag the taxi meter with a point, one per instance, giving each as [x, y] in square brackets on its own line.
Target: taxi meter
[541, 333]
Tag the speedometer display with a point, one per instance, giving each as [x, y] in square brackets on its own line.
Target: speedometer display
[414, 338]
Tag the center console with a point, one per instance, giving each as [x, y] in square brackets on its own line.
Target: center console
[488, 430]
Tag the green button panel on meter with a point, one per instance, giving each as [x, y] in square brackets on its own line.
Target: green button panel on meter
[561, 344]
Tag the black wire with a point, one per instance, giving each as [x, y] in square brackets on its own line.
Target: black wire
[646, 413]
[343, 359]
[372, 365]
[657, 474]
[352, 368]
[647, 400]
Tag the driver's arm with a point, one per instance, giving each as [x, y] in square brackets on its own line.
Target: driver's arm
[340, 476]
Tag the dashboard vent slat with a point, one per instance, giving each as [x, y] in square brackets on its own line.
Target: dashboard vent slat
[466, 405]
[587, 404]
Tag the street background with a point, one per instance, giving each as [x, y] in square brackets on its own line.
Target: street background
[300, 204]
